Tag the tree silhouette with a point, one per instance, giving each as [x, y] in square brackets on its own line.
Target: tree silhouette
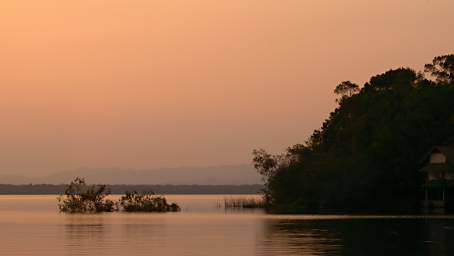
[442, 69]
[82, 198]
[346, 89]
[366, 155]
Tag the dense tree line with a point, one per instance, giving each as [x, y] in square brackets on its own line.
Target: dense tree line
[367, 154]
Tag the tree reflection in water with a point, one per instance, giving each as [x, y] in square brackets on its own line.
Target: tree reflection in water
[85, 234]
[390, 236]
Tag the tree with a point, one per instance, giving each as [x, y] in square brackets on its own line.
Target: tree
[265, 163]
[346, 89]
[366, 155]
[82, 198]
[401, 79]
[442, 69]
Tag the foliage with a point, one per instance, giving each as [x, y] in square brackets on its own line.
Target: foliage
[346, 89]
[146, 202]
[82, 198]
[366, 155]
[243, 203]
[442, 68]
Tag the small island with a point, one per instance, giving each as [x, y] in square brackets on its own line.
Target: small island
[371, 154]
[82, 198]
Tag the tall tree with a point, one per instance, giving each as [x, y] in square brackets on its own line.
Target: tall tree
[442, 69]
[346, 89]
[366, 154]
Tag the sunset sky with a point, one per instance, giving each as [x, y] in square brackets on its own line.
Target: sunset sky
[166, 83]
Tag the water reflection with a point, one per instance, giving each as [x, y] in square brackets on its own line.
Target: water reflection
[287, 237]
[358, 237]
[85, 233]
[207, 230]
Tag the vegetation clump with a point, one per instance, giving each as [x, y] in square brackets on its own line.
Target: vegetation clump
[82, 198]
[366, 155]
[244, 203]
[146, 202]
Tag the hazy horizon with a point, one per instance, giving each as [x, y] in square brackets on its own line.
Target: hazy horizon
[195, 175]
[155, 84]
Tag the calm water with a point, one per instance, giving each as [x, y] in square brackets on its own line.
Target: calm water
[31, 225]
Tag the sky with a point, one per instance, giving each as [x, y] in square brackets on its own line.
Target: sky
[157, 83]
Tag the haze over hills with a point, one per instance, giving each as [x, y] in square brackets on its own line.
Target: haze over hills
[214, 175]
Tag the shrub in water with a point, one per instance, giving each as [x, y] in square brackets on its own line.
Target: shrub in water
[82, 198]
[146, 202]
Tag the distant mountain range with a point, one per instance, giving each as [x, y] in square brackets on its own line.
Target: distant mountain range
[46, 189]
[215, 175]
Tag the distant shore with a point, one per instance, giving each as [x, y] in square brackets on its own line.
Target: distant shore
[52, 189]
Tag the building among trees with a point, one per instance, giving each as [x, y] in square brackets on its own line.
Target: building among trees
[366, 155]
[438, 167]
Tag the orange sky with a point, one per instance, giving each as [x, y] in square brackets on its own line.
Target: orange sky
[154, 83]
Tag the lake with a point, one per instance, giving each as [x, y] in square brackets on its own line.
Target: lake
[31, 225]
